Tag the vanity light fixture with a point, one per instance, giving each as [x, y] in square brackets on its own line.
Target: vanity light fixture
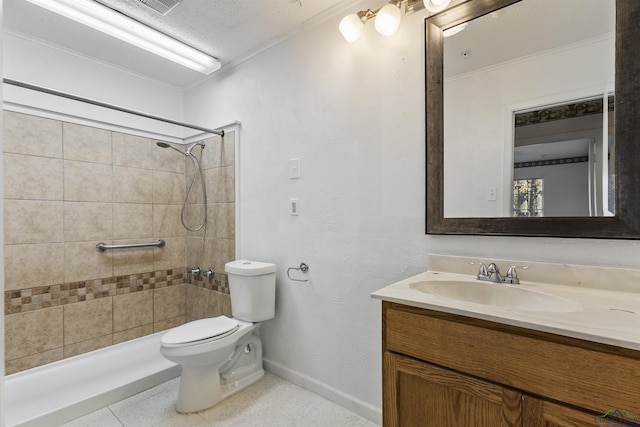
[387, 18]
[118, 25]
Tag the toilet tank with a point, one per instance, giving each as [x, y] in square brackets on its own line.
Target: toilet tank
[252, 286]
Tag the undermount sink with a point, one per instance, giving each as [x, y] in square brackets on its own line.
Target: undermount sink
[496, 295]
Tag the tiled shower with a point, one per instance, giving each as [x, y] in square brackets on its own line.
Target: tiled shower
[69, 186]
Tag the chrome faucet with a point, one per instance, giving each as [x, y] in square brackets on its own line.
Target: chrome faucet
[494, 273]
[491, 273]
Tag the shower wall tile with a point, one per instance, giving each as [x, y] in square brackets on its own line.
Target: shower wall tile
[86, 144]
[168, 188]
[203, 303]
[33, 265]
[216, 253]
[133, 151]
[132, 221]
[168, 160]
[84, 221]
[87, 320]
[87, 345]
[229, 149]
[223, 223]
[133, 310]
[166, 221]
[68, 187]
[131, 334]
[226, 186]
[195, 196]
[163, 325]
[172, 255]
[132, 185]
[221, 184]
[194, 216]
[32, 177]
[87, 182]
[33, 332]
[219, 151]
[132, 261]
[33, 221]
[26, 134]
[169, 302]
[195, 253]
[31, 361]
[212, 154]
[83, 262]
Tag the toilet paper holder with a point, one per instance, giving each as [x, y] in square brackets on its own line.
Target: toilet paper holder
[304, 267]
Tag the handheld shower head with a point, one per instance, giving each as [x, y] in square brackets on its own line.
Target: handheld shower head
[165, 145]
[196, 167]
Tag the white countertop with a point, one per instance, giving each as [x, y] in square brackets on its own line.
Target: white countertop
[603, 316]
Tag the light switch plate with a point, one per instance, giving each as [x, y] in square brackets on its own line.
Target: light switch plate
[294, 168]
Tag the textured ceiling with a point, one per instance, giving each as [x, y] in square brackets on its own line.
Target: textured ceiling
[230, 30]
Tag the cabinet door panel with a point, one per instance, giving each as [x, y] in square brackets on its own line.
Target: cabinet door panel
[426, 395]
[540, 413]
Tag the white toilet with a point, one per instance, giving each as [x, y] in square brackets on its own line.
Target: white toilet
[221, 356]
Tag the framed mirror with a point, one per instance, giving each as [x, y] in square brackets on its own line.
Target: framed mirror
[475, 128]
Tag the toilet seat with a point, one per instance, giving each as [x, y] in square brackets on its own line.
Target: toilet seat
[200, 331]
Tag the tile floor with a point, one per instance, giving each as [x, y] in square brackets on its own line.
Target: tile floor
[271, 402]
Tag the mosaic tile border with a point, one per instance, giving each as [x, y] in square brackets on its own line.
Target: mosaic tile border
[37, 298]
[219, 282]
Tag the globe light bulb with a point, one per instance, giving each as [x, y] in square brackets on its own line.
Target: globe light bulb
[351, 27]
[435, 6]
[388, 20]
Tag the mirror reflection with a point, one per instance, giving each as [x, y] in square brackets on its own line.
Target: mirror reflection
[528, 112]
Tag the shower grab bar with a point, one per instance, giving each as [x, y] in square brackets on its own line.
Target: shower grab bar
[110, 106]
[103, 246]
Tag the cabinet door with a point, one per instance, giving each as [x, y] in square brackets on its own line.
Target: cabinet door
[541, 413]
[419, 394]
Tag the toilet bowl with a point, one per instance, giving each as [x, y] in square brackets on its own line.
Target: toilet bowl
[220, 356]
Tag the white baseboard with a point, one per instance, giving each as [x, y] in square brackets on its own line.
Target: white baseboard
[345, 400]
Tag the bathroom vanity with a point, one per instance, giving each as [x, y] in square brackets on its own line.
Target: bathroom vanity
[448, 361]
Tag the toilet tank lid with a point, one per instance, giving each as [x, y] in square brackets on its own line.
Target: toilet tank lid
[243, 267]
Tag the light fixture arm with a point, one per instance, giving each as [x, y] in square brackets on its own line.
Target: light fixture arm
[387, 19]
[365, 15]
[410, 6]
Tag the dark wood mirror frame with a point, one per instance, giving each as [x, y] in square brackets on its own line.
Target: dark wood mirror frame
[626, 223]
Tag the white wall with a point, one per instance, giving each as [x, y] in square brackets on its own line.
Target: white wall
[41, 64]
[354, 114]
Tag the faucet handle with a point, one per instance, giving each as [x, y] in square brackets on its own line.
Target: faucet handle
[483, 274]
[512, 274]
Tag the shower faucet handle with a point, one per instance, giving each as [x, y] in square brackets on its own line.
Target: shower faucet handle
[196, 271]
[208, 274]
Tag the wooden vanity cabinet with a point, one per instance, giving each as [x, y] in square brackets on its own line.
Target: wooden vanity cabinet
[447, 370]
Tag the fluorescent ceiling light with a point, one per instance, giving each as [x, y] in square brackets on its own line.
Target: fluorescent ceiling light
[115, 24]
